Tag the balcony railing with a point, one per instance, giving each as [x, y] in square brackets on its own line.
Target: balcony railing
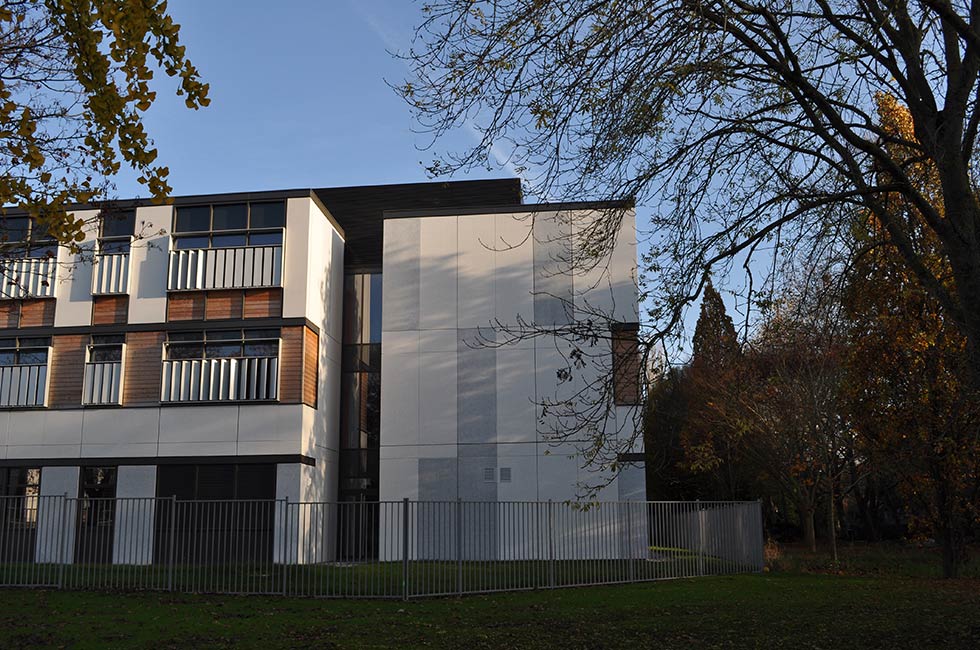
[24, 385]
[27, 277]
[111, 274]
[225, 268]
[220, 380]
[103, 383]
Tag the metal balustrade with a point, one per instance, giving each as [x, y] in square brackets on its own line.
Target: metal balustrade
[225, 268]
[28, 277]
[24, 385]
[394, 549]
[216, 380]
[110, 274]
[103, 383]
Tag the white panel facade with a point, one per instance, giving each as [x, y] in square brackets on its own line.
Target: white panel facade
[148, 264]
[134, 526]
[464, 402]
[73, 289]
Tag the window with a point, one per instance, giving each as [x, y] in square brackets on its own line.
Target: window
[23, 351]
[106, 348]
[229, 225]
[626, 364]
[23, 482]
[505, 475]
[25, 237]
[489, 475]
[222, 344]
[116, 232]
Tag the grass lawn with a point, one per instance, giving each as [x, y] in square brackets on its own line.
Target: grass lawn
[776, 610]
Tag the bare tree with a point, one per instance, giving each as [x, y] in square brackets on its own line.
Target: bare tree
[744, 125]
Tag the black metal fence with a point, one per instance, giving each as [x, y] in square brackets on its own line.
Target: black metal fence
[394, 549]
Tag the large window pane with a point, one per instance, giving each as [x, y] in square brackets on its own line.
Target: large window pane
[227, 241]
[119, 224]
[265, 239]
[222, 350]
[267, 215]
[14, 229]
[193, 219]
[184, 243]
[230, 217]
[178, 351]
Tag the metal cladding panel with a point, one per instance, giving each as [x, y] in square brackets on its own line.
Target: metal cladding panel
[111, 274]
[28, 277]
[225, 268]
[217, 380]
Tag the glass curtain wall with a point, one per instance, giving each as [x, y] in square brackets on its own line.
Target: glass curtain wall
[360, 419]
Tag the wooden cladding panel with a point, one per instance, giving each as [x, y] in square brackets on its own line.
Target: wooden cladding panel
[67, 363]
[291, 365]
[263, 303]
[9, 314]
[311, 359]
[223, 304]
[626, 367]
[110, 310]
[144, 367]
[37, 313]
[185, 306]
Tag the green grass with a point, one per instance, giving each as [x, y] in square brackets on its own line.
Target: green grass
[760, 611]
[883, 596]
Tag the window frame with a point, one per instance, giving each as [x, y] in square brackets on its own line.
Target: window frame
[94, 346]
[30, 246]
[211, 233]
[116, 239]
[19, 349]
[220, 339]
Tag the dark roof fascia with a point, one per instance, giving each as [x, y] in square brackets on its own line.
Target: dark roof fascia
[192, 199]
[504, 209]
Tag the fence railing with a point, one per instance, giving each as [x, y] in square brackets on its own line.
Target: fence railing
[111, 274]
[396, 549]
[215, 380]
[103, 383]
[28, 277]
[241, 267]
[24, 385]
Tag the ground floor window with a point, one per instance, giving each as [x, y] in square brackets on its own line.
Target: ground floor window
[96, 516]
[19, 491]
[222, 513]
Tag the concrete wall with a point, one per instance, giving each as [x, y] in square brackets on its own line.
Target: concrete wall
[135, 509]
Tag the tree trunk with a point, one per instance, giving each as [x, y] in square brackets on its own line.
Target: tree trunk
[809, 532]
[952, 556]
[832, 525]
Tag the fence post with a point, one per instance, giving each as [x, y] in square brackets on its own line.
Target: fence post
[459, 546]
[631, 568]
[405, 507]
[286, 554]
[697, 505]
[62, 554]
[551, 544]
[170, 542]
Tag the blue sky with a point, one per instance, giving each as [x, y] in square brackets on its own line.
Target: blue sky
[298, 98]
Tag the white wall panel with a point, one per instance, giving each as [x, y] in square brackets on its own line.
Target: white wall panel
[516, 408]
[270, 422]
[73, 289]
[437, 273]
[296, 253]
[133, 531]
[198, 448]
[26, 428]
[514, 262]
[105, 426]
[476, 271]
[53, 546]
[400, 402]
[199, 424]
[437, 392]
[62, 428]
[149, 266]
